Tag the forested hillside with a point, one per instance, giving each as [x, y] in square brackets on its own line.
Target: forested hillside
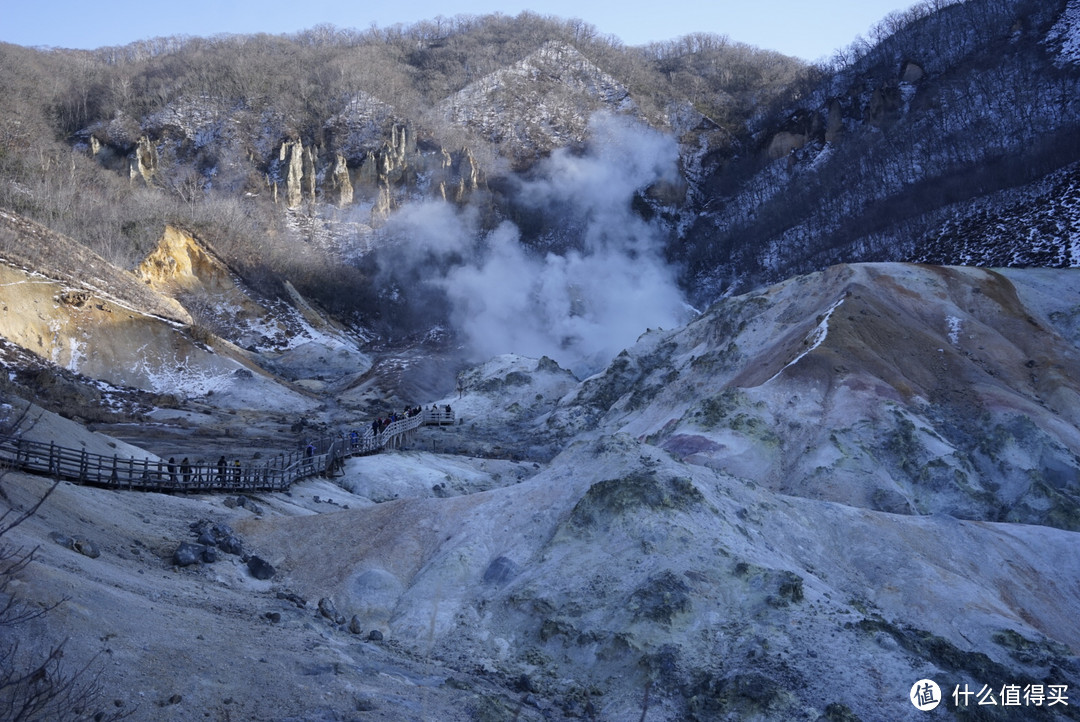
[285, 152]
[912, 135]
[290, 154]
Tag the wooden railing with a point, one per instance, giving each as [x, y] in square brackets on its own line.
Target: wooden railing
[320, 457]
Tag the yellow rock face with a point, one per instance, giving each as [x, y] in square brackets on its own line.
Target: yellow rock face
[181, 266]
[180, 263]
[84, 332]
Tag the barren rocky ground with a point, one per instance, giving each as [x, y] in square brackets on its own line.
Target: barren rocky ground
[792, 508]
[209, 641]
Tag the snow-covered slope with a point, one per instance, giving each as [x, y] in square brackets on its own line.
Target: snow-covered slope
[538, 104]
[908, 389]
[797, 505]
[792, 508]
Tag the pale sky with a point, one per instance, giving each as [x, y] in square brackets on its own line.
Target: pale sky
[810, 30]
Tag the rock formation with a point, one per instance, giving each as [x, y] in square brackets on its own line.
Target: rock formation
[291, 156]
[181, 264]
[144, 161]
[341, 189]
[458, 175]
[307, 180]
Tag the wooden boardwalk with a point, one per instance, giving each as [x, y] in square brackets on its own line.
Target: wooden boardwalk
[320, 458]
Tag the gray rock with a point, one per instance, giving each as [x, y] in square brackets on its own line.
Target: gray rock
[86, 548]
[64, 541]
[525, 684]
[294, 598]
[248, 503]
[231, 545]
[354, 625]
[375, 635]
[74, 543]
[260, 568]
[327, 609]
[187, 554]
[501, 570]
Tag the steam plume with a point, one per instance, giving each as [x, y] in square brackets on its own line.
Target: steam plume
[582, 306]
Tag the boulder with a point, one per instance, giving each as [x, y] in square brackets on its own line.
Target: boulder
[260, 568]
[83, 546]
[294, 598]
[220, 535]
[327, 609]
[231, 545]
[187, 554]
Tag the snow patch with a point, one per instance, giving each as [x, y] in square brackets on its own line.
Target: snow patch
[954, 325]
[76, 354]
[177, 376]
[816, 337]
[1066, 35]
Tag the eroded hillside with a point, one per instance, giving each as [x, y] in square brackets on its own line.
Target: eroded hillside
[906, 389]
[793, 507]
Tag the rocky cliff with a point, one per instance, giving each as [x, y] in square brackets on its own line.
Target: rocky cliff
[92, 330]
[183, 326]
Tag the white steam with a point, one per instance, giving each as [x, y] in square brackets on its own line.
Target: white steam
[581, 307]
